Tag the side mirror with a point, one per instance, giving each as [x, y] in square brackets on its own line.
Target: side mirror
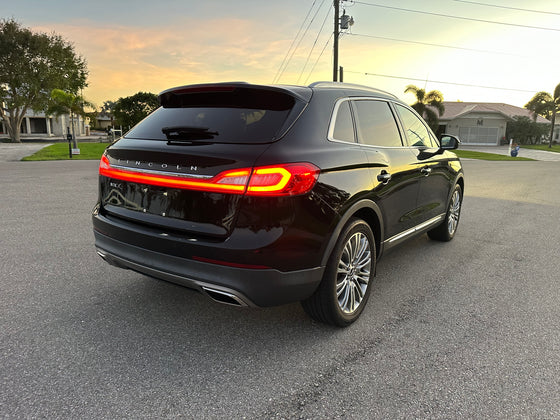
[449, 142]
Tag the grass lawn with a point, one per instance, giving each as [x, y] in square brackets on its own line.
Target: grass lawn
[469, 154]
[543, 147]
[93, 151]
[59, 151]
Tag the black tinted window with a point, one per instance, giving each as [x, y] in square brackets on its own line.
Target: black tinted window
[239, 116]
[417, 133]
[343, 126]
[376, 124]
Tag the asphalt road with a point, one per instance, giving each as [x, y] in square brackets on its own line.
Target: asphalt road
[468, 329]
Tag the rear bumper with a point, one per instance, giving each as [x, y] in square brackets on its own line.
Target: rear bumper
[241, 286]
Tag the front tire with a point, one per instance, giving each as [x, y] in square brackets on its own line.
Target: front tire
[446, 230]
[346, 284]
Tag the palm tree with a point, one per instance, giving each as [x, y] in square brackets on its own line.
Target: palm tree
[67, 103]
[546, 105]
[425, 102]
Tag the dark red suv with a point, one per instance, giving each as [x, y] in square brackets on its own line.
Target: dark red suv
[263, 195]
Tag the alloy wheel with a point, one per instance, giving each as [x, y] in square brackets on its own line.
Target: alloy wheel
[353, 273]
[454, 212]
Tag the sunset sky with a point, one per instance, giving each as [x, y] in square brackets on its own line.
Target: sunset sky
[140, 45]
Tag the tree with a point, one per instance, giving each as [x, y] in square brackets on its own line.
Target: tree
[131, 110]
[425, 102]
[67, 103]
[546, 105]
[108, 107]
[31, 66]
[525, 130]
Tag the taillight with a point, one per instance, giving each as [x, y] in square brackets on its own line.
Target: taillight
[289, 179]
[277, 180]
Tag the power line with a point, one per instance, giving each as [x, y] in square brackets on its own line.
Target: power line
[508, 7]
[457, 17]
[318, 58]
[314, 43]
[293, 42]
[439, 81]
[285, 63]
[435, 45]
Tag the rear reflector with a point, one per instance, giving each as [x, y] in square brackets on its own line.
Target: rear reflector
[277, 180]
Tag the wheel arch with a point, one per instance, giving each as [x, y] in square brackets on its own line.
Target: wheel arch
[366, 210]
[458, 181]
[461, 181]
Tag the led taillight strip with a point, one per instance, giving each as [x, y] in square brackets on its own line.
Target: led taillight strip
[278, 180]
[236, 185]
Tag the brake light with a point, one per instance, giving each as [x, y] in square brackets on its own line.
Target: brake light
[289, 179]
[278, 180]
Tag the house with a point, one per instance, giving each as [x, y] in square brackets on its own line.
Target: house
[477, 123]
[104, 121]
[37, 125]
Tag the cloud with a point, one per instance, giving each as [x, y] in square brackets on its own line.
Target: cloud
[124, 60]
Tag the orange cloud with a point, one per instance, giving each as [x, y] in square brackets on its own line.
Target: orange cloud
[124, 60]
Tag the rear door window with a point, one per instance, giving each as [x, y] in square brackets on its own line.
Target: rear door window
[376, 124]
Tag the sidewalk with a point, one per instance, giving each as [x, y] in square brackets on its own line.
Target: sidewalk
[527, 153]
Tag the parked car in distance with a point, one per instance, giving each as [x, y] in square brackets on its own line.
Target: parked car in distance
[263, 195]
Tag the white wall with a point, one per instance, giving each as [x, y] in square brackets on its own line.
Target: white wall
[478, 129]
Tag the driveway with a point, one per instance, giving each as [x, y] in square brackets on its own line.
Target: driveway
[10, 152]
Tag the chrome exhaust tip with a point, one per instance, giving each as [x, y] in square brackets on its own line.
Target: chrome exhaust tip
[224, 297]
[101, 254]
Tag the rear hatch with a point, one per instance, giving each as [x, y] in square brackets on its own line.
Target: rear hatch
[185, 167]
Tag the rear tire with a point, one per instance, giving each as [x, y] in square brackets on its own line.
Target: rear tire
[346, 284]
[446, 230]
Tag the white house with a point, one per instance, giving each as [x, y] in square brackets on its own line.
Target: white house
[37, 124]
[477, 123]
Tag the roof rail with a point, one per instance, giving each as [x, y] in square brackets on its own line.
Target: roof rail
[342, 85]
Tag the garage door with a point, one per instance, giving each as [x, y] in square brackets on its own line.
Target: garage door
[479, 135]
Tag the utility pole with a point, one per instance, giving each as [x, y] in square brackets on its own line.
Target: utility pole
[340, 22]
[336, 33]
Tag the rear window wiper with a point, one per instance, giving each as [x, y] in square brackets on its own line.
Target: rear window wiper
[188, 133]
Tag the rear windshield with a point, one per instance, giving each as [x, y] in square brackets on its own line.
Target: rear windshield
[241, 115]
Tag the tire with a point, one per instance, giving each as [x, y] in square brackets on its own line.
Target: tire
[345, 288]
[446, 230]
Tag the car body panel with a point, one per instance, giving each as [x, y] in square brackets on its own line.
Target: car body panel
[262, 249]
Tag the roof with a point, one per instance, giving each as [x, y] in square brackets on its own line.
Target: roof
[455, 110]
[352, 86]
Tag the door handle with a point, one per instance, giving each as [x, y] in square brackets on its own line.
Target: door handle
[384, 177]
[426, 170]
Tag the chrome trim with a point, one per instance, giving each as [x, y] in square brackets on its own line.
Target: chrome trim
[149, 171]
[415, 229]
[334, 114]
[215, 294]
[330, 132]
